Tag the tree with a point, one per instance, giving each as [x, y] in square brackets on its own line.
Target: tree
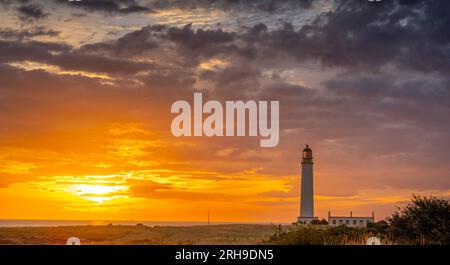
[380, 227]
[323, 221]
[319, 222]
[423, 221]
[315, 222]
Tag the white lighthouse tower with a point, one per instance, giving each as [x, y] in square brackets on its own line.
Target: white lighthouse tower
[307, 193]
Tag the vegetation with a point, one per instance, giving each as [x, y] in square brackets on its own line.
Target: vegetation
[139, 234]
[326, 235]
[423, 221]
[321, 222]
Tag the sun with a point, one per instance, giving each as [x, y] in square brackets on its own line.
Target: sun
[98, 193]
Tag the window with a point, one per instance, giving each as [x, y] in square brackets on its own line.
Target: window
[334, 222]
[354, 222]
[346, 222]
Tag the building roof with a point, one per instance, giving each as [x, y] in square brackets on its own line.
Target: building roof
[352, 217]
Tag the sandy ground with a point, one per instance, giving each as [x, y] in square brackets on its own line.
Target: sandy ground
[137, 235]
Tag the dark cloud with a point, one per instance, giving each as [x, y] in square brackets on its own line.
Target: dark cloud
[12, 51]
[109, 6]
[31, 12]
[201, 43]
[198, 39]
[360, 35]
[96, 63]
[30, 33]
[132, 44]
[184, 45]
[66, 58]
[366, 86]
[233, 5]
[407, 35]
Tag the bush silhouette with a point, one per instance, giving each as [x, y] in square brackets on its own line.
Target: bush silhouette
[423, 221]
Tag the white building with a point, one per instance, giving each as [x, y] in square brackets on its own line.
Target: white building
[350, 221]
[307, 193]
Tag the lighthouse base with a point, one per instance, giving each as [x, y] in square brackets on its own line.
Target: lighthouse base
[306, 220]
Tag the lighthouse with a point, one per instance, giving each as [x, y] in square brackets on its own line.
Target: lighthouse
[307, 191]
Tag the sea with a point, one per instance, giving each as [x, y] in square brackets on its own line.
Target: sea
[49, 223]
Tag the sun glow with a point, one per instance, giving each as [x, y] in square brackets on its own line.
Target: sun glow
[98, 193]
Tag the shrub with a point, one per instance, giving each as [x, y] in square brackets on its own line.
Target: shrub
[423, 221]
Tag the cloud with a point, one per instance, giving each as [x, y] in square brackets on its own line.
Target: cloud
[359, 35]
[108, 6]
[269, 6]
[367, 86]
[279, 194]
[31, 12]
[135, 43]
[153, 190]
[40, 31]
[198, 39]
[66, 57]
[140, 187]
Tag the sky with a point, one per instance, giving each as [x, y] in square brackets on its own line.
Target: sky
[86, 89]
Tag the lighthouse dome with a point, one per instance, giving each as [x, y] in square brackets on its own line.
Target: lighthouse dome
[307, 152]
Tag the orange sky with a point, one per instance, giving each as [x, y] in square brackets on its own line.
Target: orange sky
[123, 171]
[85, 96]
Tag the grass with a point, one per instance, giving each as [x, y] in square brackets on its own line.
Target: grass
[139, 235]
[326, 235]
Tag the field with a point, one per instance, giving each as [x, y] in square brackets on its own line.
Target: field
[138, 235]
